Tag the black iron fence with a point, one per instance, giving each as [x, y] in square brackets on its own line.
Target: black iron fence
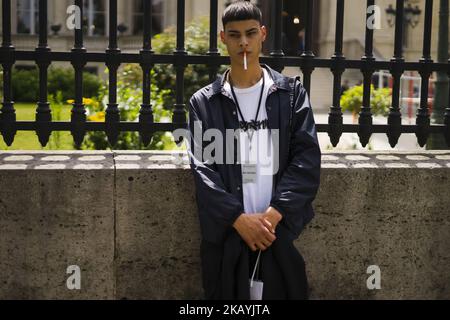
[306, 61]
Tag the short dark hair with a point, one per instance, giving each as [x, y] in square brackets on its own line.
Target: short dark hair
[241, 10]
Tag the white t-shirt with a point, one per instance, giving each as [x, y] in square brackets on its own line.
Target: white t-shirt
[257, 191]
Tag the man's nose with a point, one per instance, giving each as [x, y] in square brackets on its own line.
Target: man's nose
[244, 42]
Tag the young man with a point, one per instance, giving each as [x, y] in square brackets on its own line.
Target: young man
[253, 207]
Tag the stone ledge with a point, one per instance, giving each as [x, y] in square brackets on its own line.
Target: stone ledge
[98, 160]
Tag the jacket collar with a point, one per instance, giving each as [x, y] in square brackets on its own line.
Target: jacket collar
[280, 82]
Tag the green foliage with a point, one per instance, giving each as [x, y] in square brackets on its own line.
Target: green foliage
[63, 79]
[27, 140]
[163, 86]
[56, 105]
[25, 83]
[129, 99]
[197, 43]
[380, 100]
[129, 90]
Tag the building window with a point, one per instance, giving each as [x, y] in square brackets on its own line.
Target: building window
[94, 17]
[138, 16]
[27, 16]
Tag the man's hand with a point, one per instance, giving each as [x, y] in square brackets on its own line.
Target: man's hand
[254, 229]
[273, 216]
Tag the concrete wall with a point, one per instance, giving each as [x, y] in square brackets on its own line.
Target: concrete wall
[129, 221]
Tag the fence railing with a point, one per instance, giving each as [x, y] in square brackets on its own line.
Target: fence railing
[306, 61]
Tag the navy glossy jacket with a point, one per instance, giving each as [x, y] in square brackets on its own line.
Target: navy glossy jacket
[219, 186]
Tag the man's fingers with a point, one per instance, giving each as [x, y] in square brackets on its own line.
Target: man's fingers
[267, 222]
[251, 245]
[267, 243]
[258, 235]
[268, 225]
[269, 236]
[262, 246]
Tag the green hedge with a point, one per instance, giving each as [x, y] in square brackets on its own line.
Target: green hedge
[25, 84]
[380, 100]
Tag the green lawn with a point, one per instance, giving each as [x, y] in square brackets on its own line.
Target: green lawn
[28, 140]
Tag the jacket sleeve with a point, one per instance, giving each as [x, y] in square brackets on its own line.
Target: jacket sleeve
[218, 208]
[300, 180]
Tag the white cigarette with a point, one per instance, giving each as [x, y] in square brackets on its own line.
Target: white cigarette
[245, 60]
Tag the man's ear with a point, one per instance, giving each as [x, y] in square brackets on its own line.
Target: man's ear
[264, 33]
[222, 36]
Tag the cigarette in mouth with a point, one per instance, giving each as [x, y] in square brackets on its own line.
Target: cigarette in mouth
[245, 60]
